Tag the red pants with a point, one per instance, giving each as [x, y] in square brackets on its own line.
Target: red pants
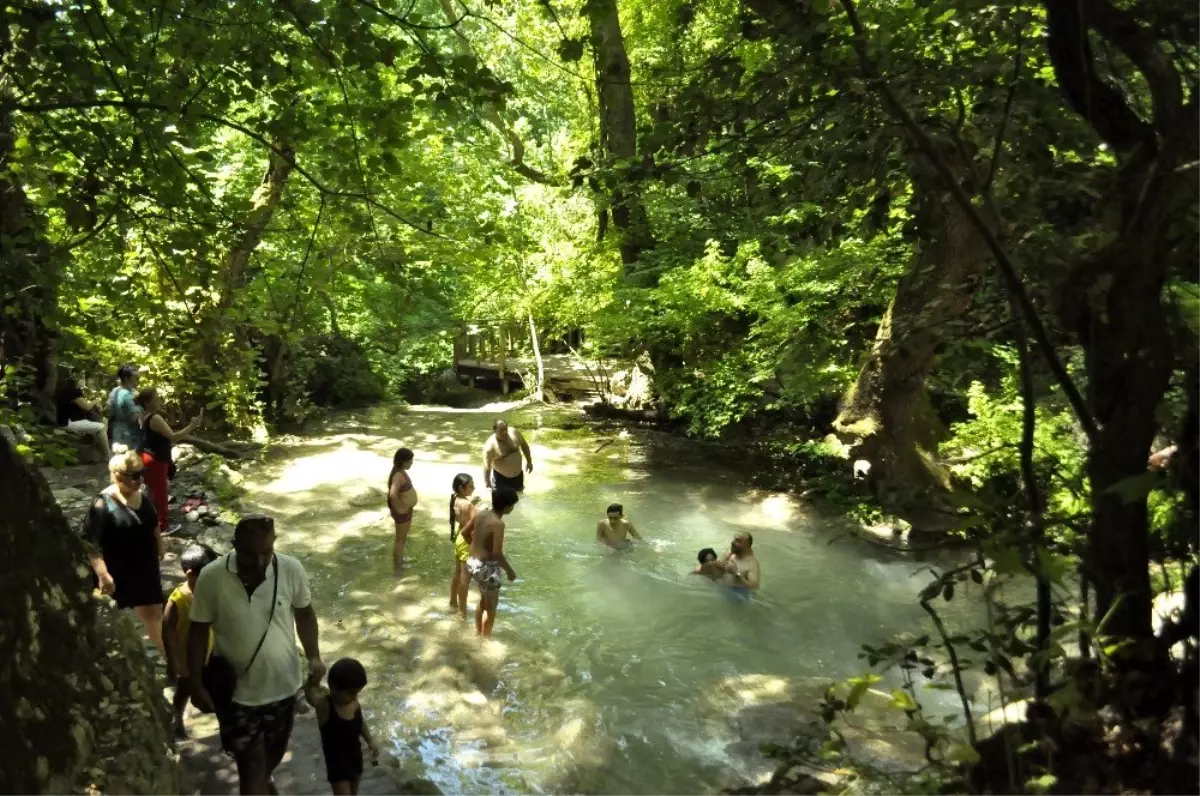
[156, 482]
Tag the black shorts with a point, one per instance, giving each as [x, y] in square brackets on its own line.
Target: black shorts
[243, 726]
[516, 484]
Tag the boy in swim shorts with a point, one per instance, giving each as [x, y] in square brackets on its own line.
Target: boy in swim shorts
[487, 560]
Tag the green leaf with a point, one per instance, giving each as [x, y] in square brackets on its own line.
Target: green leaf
[859, 686]
[903, 700]
[1043, 784]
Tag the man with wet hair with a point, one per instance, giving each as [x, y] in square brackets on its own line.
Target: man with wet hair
[502, 458]
[256, 602]
[615, 530]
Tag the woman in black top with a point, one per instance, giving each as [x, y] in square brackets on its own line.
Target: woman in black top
[157, 440]
[122, 524]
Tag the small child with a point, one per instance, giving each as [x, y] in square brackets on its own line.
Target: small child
[176, 621]
[340, 718]
[708, 566]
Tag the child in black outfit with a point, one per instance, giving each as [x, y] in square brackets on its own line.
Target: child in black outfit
[340, 718]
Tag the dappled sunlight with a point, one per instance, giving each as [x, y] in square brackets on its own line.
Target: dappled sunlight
[608, 672]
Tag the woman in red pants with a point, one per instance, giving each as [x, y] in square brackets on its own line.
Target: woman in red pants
[157, 439]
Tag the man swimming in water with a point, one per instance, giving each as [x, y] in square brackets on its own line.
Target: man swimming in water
[502, 458]
[612, 530]
[741, 572]
[486, 532]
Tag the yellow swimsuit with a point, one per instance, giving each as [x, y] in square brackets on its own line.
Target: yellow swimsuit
[462, 550]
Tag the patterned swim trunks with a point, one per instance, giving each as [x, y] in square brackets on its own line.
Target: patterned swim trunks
[487, 574]
[244, 725]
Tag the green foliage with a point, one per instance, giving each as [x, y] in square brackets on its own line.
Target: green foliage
[984, 450]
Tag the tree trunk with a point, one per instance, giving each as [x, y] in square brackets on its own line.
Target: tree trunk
[79, 695]
[1129, 365]
[234, 272]
[1113, 298]
[502, 358]
[262, 209]
[539, 395]
[888, 407]
[618, 128]
[28, 273]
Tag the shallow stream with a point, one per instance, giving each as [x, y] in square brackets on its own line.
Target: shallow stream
[608, 673]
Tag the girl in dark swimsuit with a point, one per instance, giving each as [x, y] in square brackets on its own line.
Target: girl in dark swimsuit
[401, 500]
[341, 721]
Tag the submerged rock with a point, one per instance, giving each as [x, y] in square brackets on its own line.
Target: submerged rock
[419, 786]
[371, 497]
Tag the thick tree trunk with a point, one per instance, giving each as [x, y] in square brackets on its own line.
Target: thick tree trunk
[79, 694]
[1113, 299]
[28, 276]
[1129, 364]
[618, 127]
[888, 407]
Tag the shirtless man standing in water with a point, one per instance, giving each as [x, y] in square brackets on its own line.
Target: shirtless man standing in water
[486, 532]
[612, 531]
[741, 566]
[502, 458]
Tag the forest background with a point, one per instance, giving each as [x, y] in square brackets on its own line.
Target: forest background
[950, 246]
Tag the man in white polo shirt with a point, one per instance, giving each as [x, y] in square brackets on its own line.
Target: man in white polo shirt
[233, 596]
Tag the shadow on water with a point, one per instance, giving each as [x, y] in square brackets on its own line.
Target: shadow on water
[608, 673]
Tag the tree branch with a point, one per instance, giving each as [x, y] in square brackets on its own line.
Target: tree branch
[1095, 99]
[1003, 261]
[289, 158]
[1140, 47]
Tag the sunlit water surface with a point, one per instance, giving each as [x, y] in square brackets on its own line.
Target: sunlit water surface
[608, 673]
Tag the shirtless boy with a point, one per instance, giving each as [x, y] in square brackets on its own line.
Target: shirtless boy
[486, 532]
[615, 530]
[502, 458]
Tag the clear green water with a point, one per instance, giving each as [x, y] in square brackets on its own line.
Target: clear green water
[607, 673]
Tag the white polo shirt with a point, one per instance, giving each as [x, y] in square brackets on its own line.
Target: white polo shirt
[239, 621]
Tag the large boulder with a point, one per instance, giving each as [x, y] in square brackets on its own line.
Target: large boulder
[80, 709]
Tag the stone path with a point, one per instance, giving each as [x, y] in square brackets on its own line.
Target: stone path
[301, 773]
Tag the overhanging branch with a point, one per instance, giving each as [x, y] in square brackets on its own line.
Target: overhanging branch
[288, 157]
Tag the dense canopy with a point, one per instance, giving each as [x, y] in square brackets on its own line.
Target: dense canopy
[950, 247]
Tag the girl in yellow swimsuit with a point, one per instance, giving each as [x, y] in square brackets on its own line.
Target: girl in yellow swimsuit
[462, 510]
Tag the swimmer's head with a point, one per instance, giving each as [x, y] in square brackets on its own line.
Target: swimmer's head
[616, 511]
[742, 542]
[706, 556]
[504, 499]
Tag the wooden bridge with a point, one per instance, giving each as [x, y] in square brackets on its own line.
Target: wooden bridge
[491, 354]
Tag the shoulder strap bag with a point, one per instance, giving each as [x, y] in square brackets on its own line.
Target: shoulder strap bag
[220, 676]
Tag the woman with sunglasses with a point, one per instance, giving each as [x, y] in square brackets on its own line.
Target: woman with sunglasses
[122, 526]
